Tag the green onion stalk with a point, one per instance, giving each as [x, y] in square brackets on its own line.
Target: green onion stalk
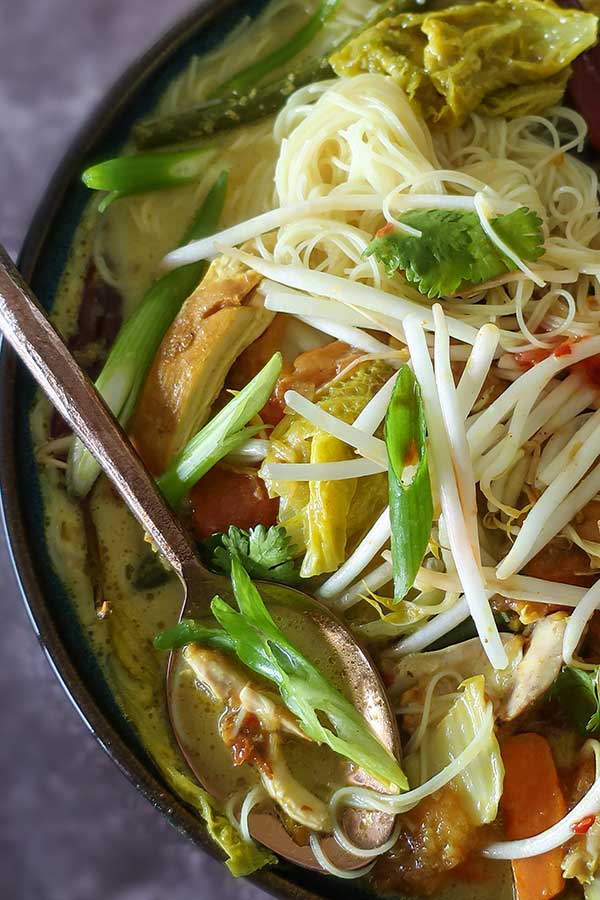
[140, 173]
[125, 370]
[244, 81]
[411, 505]
[323, 713]
[242, 102]
[227, 431]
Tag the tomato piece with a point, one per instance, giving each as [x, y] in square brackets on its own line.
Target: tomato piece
[591, 369]
[528, 358]
[584, 825]
[311, 370]
[225, 497]
[555, 562]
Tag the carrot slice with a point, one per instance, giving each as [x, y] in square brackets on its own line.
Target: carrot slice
[532, 800]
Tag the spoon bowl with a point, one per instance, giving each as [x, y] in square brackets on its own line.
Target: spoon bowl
[296, 612]
[25, 325]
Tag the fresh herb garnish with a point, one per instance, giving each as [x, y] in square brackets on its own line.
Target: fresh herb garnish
[131, 355]
[188, 631]
[266, 554]
[262, 646]
[227, 431]
[454, 250]
[411, 506]
[125, 176]
[578, 691]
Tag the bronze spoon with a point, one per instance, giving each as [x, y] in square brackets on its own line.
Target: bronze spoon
[27, 328]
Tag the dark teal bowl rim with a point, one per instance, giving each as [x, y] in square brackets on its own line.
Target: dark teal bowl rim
[48, 238]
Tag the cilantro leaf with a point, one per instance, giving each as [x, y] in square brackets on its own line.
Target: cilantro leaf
[578, 691]
[267, 554]
[454, 250]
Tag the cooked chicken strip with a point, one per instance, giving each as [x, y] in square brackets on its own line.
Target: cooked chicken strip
[267, 719]
[216, 323]
[538, 669]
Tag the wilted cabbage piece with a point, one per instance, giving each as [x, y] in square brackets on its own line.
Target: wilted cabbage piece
[326, 518]
[582, 859]
[479, 785]
[506, 58]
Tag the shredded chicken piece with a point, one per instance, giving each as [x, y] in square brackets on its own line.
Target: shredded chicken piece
[253, 727]
[222, 317]
[538, 669]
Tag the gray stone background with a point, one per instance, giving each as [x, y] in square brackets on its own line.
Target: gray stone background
[71, 826]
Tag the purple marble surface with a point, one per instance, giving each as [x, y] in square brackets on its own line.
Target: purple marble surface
[71, 826]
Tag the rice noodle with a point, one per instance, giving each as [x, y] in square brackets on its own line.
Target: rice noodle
[365, 798]
[328, 866]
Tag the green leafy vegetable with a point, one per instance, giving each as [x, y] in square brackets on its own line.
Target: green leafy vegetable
[138, 174]
[243, 81]
[479, 785]
[454, 250]
[263, 647]
[411, 506]
[124, 372]
[265, 554]
[188, 631]
[232, 110]
[223, 434]
[502, 58]
[578, 691]
[323, 518]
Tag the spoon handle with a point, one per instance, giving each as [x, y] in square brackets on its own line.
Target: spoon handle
[27, 328]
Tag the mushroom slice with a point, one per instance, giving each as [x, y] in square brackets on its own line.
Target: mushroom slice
[222, 317]
[538, 669]
[253, 726]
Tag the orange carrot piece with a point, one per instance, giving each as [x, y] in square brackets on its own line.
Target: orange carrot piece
[532, 800]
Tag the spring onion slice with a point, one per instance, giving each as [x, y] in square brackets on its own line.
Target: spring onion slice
[411, 505]
[243, 81]
[223, 434]
[368, 799]
[124, 372]
[124, 176]
[263, 647]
